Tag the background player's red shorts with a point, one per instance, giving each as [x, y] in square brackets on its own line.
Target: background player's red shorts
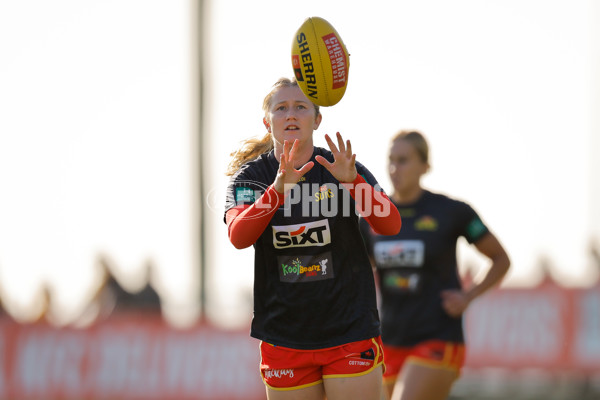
[432, 353]
[283, 368]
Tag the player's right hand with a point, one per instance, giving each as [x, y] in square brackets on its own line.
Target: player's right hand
[288, 176]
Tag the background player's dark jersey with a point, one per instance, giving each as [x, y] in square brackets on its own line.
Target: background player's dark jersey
[313, 282]
[415, 265]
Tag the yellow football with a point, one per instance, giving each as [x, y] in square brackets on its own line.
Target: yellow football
[320, 61]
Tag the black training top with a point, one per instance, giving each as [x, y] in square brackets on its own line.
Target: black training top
[313, 282]
[415, 265]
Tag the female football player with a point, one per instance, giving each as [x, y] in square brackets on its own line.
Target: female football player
[315, 309]
[422, 301]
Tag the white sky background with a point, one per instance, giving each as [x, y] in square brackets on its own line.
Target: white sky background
[96, 145]
[97, 124]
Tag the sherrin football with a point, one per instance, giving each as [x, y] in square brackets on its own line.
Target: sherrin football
[320, 61]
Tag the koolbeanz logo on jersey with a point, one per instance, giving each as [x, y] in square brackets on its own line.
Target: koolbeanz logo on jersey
[315, 233]
[402, 281]
[305, 268]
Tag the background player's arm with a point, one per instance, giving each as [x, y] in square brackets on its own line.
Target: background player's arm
[455, 302]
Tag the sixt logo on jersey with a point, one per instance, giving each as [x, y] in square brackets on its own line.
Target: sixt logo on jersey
[302, 235]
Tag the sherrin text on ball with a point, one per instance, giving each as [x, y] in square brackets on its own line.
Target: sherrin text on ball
[320, 61]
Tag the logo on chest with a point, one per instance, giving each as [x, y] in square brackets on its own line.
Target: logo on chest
[426, 223]
[315, 233]
[399, 253]
[308, 268]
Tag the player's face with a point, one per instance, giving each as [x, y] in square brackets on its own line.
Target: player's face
[291, 116]
[405, 166]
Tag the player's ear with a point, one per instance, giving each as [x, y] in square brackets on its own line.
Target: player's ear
[426, 168]
[267, 125]
[317, 121]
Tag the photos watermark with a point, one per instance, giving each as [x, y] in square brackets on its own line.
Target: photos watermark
[314, 200]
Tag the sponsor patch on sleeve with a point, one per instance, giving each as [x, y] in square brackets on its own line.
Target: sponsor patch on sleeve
[244, 195]
[475, 229]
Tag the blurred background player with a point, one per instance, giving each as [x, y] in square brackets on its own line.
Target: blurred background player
[422, 301]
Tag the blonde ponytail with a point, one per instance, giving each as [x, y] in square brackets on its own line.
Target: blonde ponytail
[250, 149]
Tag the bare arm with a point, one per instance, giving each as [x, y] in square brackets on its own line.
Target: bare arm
[455, 302]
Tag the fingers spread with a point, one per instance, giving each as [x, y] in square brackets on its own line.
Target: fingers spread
[331, 144]
[341, 145]
[323, 161]
[286, 147]
[306, 167]
[293, 149]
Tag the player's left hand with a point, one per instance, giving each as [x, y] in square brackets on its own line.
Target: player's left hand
[454, 302]
[343, 167]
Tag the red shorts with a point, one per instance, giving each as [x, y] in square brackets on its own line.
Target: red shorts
[432, 353]
[283, 368]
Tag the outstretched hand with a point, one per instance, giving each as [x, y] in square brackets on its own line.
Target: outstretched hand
[287, 175]
[343, 167]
